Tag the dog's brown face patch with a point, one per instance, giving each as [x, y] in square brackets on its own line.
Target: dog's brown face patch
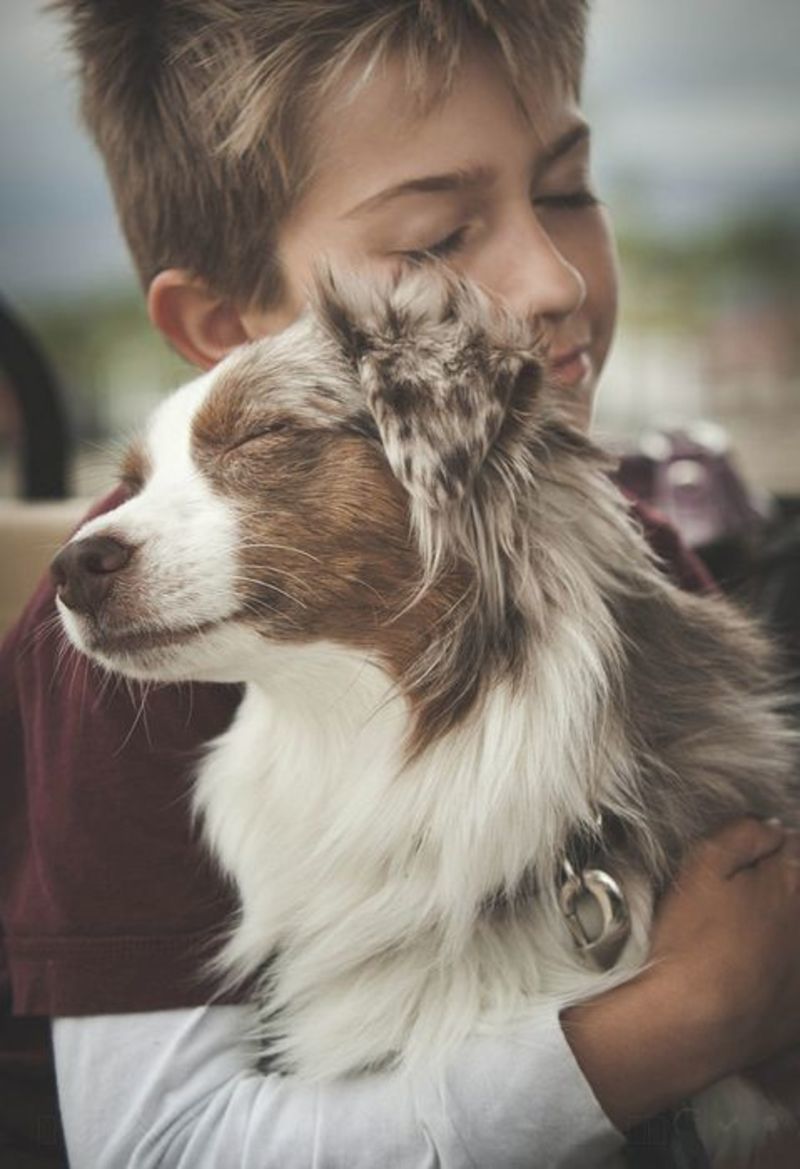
[135, 467]
[327, 551]
[371, 448]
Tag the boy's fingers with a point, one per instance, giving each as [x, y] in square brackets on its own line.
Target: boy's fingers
[791, 849]
[792, 841]
[741, 844]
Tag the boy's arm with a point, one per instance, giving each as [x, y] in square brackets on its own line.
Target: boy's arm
[720, 994]
[177, 1089]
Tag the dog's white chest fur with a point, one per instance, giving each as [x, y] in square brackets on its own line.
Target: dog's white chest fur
[365, 886]
[370, 885]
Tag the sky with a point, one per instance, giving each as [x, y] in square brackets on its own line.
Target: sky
[694, 102]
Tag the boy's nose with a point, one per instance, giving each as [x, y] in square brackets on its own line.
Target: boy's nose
[537, 279]
[84, 571]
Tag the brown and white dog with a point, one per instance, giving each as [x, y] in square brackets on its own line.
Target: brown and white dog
[457, 651]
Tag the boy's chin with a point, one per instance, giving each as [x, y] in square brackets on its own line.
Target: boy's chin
[210, 652]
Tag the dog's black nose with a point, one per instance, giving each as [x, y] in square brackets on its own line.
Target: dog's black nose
[84, 570]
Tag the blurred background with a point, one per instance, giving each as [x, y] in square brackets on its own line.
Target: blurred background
[695, 108]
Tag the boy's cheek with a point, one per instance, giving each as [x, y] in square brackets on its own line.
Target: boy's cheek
[595, 257]
[587, 242]
[258, 323]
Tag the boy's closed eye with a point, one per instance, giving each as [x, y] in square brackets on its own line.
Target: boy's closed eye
[448, 245]
[564, 185]
[575, 200]
[453, 242]
[567, 183]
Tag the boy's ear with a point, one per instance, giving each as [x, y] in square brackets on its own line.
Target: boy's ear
[202, 325]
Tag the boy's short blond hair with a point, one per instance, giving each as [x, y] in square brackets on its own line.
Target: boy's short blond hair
[201, 108]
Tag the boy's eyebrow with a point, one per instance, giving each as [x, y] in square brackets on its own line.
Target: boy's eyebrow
[580, 132]
[464, 179]
[469, 178]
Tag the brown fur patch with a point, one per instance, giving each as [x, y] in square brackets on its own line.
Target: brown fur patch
[135, 467]
[327, 552]
[225, 415]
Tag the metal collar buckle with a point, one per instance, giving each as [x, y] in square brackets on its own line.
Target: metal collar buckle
[596, 911]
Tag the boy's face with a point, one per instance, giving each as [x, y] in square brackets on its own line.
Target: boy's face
[502, 198]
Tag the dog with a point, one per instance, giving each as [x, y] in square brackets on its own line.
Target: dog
[468, 683]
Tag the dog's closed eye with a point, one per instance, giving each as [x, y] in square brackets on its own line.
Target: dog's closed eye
[263, 430]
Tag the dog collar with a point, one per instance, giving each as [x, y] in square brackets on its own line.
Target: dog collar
[593, 902]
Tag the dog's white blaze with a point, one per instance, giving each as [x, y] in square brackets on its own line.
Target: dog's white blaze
[186, 536]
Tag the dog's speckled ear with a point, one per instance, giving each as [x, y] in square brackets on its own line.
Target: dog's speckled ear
[438, 366]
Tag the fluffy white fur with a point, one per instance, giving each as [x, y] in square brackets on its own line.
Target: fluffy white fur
[340, 854]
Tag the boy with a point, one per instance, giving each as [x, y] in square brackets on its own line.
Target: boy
[245, 142]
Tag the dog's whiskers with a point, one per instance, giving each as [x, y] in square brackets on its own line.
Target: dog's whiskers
[273, 588]
[250, 545]
[141, 712]
[290, 575]
[279, 547]
[40, 632]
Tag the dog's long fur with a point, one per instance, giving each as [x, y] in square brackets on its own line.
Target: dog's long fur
[458, 649]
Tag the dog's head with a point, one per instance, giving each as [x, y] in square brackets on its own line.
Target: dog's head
[305, 488]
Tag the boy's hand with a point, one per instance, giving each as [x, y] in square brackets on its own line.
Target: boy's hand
[730, 931]
[723, 991]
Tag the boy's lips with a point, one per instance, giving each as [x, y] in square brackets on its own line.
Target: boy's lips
[571, 368]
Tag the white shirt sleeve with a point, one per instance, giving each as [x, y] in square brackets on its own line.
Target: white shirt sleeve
[178, 1090]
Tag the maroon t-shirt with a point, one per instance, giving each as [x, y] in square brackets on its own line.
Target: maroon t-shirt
[108, 900]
